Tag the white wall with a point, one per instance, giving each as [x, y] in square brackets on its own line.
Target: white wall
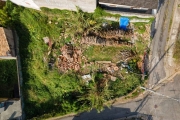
[85, 5]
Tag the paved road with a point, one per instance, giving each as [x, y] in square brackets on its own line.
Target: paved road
[158, 44]
[162, 108]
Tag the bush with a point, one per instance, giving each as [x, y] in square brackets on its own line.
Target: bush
[8, 78]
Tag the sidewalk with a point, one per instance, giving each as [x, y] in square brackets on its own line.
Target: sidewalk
[170, 65]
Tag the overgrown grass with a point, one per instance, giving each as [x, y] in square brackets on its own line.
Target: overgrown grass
[140, 27]
[140, 46]
[8, 78]
[47, 92]
[99, 12]
[108, 53]
[122, 87]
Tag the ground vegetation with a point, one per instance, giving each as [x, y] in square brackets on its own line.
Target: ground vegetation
[55, 53]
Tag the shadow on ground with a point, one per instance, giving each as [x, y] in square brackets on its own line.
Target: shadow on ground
[160, 59]
[112, 113]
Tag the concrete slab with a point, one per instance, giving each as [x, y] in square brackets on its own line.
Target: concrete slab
[170, 64]
[85, 5]
[12, 110]
[173, 37]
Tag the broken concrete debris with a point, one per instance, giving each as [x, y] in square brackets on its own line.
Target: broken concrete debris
[70, 58]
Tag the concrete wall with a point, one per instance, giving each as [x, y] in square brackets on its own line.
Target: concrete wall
[7, 57]
[122, 6]
[85, 5]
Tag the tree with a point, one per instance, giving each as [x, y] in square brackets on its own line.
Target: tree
[9, 14]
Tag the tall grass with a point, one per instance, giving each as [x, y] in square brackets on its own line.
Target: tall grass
[49, 92]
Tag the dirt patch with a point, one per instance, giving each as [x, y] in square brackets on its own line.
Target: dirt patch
[70, 59]
[108, 38]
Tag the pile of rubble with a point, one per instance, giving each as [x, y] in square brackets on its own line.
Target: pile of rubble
[115, 33]
[70, 58]
[94, 40]
[126, 54]
[107, 66]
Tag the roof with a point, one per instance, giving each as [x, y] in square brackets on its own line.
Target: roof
[4, 46]
[151, 4]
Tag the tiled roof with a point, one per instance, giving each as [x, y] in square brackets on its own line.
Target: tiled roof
[151, 4]
[4, 46]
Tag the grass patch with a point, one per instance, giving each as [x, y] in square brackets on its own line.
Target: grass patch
[99, 53]
[8, 78]
[140, 46]
[99, 12]
[122, 87]
[140, 27]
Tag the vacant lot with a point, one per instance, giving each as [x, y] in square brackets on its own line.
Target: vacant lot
[49, 91]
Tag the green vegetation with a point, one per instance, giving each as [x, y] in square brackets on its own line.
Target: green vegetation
[97, 93]
[140, 27]
[8, 78]
[140, 47]
[143, 37]
[122, 87]
[108, 53]
[177, 47]
[50, 93]
[99, 12]
[9, 14]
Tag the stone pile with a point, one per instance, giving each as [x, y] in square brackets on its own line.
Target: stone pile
[70, 58]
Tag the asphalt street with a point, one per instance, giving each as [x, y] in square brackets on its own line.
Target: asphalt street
[158, 45]
[161, 107]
